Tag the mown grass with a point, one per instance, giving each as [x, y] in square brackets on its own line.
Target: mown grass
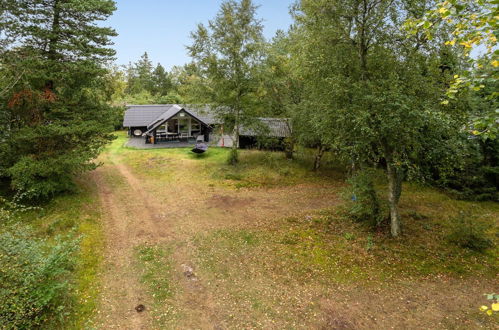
[256, 168]
[427, 216]
[154, 264]
[272, 275]
[330, 246]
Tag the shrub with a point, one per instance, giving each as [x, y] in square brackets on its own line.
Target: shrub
[469, 233]
[33, 274]
[469, 168]
[45, 177]
[364, 204]
[33, 278]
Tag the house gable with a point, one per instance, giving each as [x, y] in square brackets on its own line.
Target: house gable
[173, 111]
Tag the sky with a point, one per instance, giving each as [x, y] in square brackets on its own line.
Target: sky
[162, 27]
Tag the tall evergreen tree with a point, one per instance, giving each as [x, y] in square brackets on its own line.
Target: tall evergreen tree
[57, 112]
[228, 53]
[162, 83]
[144, 73]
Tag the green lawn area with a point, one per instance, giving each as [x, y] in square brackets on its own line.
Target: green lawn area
[271, 249]
[258, 274]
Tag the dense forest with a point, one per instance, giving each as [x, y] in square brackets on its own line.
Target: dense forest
[405, 90]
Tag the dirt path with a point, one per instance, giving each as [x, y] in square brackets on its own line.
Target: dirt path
[130, 221]
[134, 217]
[137, 211]
[175, 207]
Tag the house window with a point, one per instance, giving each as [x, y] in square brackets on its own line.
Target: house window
[195, 127]
[183, 126]
[173, 126]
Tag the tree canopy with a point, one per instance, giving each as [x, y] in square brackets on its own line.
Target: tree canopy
[54, 102]
[228, 53]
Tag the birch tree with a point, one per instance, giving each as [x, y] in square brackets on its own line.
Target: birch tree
[375, 94]
[227, 53]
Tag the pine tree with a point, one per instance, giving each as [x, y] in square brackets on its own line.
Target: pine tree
[57, 112]
[143, 70]
[162, 83]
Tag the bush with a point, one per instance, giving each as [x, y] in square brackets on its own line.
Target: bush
[33, 279]
[33, 273]
[470, 233]
[364, 203]
[40, 178]
[469, 168]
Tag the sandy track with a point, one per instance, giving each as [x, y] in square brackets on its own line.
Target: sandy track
[129, 222]
[137, 211]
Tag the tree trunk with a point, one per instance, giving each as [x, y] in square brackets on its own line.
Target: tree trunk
[55, 30]
[234, 158]
[289, 143]
[363, 47]
[289, 146]
[53, 40]
[394, 191]
[320, 152]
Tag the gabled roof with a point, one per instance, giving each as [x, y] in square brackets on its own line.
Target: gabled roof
[168, 114]
[143, 115]
[152, 116]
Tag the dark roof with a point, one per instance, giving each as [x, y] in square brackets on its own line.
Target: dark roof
[143, 115]
[167, 114]
[204, 113]
[171, 112]
[273, 127]
[152, 116]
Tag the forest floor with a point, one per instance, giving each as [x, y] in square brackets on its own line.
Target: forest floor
[197, 244]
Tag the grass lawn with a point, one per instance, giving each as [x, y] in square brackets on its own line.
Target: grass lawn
[289, 269]
[267, 245]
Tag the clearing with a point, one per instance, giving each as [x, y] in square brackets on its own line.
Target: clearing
[201, 245]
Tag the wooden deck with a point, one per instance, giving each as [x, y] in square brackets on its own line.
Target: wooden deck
[140, 143]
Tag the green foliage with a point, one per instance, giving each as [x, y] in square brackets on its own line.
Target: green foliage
[33, 277]
[56, 173]
[469, 233]
[478, 176]
[141, 78]
[139, 83]
[364, 204]
[468, 167]
[472, 25]
[372, 94]
[227, 54]
[56, 103]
